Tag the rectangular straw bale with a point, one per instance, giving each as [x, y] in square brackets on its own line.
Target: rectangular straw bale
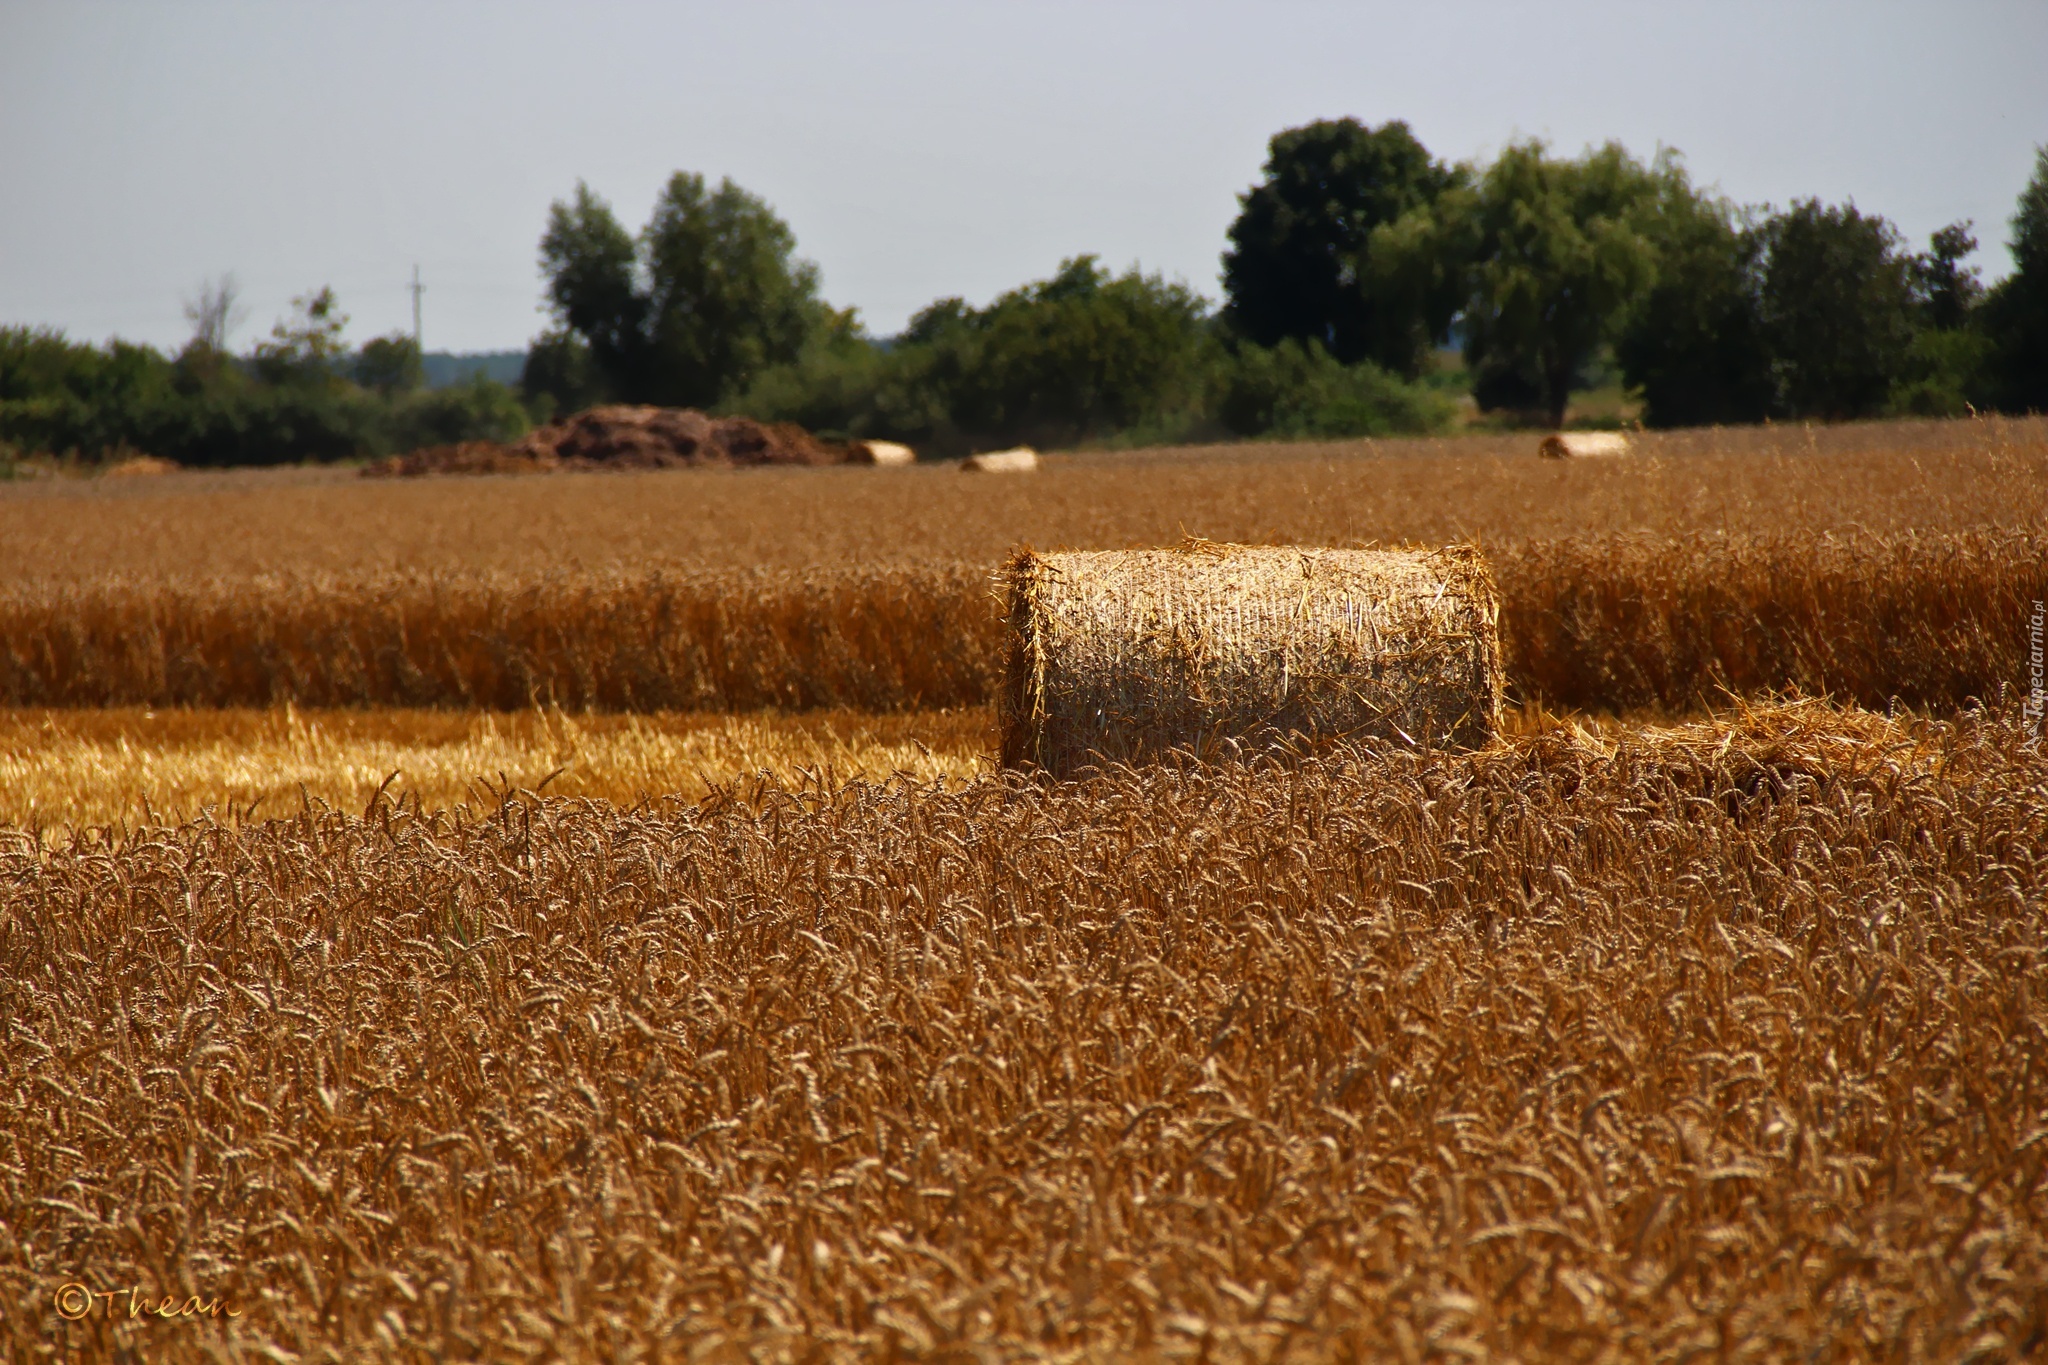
[1018, 460]
[1124, 655]
[1579, 445]
[880, 453]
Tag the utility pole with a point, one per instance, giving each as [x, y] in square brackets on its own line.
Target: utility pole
[417, 290]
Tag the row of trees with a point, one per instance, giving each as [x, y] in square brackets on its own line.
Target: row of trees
[1353, 260]
[1358, 240]
[299, 394]
[709, 306]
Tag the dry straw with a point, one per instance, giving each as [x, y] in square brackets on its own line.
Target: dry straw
[1573, 445]
[1718, 1046]
[1019, 460]
[880, 453]
[1125, 655]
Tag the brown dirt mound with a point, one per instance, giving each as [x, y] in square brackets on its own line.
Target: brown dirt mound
[625, 437]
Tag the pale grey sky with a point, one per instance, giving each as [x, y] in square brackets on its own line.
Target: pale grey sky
[917, 149]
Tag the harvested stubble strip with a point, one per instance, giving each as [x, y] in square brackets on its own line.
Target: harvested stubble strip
[1122, 656]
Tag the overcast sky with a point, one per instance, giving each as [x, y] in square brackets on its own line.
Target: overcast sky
[918, 150]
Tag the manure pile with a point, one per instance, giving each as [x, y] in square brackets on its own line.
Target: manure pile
[625, 437]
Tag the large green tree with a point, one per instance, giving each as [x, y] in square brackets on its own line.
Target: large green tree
[709, 295]
[390, 365]
[1301, 262]
[1945, 372]
[1070, 358]
[2015, 314]
[304, 349]
[1837, 309]
[590, 263]
[1694, 345]
[1947, 289]
[1084, 355]
[559, 375]
[1562, 251]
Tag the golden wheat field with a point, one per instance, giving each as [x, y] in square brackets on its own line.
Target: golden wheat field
[1877, 478]
[579, 919]
[1721, 1042]
[1713, 563]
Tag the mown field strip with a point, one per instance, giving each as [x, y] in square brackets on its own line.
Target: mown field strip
[127, 765]
[1878, 478]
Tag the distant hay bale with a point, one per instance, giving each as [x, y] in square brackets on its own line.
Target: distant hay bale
[1020, 460]
[1573, 445]
[1124, 655]
[879, 453]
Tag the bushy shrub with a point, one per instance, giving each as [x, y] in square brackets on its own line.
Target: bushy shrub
[560, 376]
[1082, 356]
[1944, 375]
[1294, 390]
[1077, 357]
[289, 402]
[479, 410]
[264, 424]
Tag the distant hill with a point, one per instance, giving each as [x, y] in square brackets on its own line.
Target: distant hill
[444, 368]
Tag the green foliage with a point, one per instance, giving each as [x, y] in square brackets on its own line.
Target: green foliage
[480, 410]
[1947, 290]
[1563, 250]
[59, 396]
[589, 261]
[2015, 314]
[561, 375]
[1836, 309]
[1816, 312]
[709, 296]
[292, 399]
[1693, 345]
[1944, 374]
[1296, 390]
[389, 365]
[1078, 357]
[727, 299]
[1313, 256]
[266, 424]
[1082, 357]
[303, 349]
[841, 384]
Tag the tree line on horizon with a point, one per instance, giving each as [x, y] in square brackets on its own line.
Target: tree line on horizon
[298, 394]
[1353, 262]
